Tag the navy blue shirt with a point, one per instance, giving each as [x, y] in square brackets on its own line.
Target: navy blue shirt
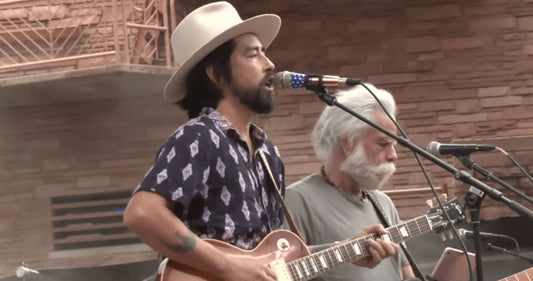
[218, 192]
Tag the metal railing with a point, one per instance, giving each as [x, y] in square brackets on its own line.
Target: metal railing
[59, 34]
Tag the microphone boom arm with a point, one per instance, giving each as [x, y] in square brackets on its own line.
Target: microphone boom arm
[467, 162]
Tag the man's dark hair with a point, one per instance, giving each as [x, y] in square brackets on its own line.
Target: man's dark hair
[201, 91]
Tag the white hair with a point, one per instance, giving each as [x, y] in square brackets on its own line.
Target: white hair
[334, 123]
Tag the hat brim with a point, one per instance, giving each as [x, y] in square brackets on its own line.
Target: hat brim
[266, 27]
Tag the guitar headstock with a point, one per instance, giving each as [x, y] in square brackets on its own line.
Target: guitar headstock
[438, 221]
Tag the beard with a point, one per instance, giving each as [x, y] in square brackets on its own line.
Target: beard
[364, 172]
[258, 99]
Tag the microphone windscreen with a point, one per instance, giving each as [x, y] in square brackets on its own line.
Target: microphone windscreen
[433, 148]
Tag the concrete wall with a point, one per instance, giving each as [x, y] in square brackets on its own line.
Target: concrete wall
[460, 70]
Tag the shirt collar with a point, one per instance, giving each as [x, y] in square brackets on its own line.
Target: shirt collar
[225, 125]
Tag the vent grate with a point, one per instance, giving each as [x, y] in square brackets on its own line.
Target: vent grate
[90, 221]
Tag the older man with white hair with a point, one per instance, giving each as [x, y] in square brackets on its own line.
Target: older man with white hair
[357, 160]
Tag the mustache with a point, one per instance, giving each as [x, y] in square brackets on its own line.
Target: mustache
[268, 77]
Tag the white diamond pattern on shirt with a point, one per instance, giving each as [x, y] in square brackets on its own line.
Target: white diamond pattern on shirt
[245, 211]
[162, 176]
[206, 214]
[178, 193]
[276, 150]
[243, 153]
[201, 182]
[187, 172]
[225, 195]
[229, 227]
[252, 179]
[194, 148]
[178, 134]
[205, 191]
[234, 155]
[242, 183]
[258, 208]
[171, 155]
[214, 138]
[261, 172]
[264, 197]
[221, 167]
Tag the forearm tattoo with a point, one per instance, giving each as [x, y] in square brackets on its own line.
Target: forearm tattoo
[186, 244]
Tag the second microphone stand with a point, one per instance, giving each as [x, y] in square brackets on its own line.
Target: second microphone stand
[473, 199]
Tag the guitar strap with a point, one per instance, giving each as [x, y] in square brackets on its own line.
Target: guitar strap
[286, 211]
[386, 222]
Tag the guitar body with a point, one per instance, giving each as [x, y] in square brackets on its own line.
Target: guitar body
[276, 248]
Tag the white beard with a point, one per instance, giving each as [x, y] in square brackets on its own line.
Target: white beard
[366, 174]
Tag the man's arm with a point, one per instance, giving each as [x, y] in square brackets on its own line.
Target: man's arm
[149, 215]
[407, 272]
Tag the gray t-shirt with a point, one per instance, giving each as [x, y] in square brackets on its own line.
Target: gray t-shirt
[325, 215]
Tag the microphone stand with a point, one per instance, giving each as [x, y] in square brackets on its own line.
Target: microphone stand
[467, 162]
[473, 202]
[461, 175]
[473, 199]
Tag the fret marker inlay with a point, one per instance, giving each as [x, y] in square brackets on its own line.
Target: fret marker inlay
[356, 248]
[338, 255]
[404, 232]
[304, 266]
[298, 272]
[315, 269]
[323, 261]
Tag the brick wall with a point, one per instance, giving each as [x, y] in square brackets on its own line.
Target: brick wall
[458, 69]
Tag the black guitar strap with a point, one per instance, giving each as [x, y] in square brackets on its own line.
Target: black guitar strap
[386, 222]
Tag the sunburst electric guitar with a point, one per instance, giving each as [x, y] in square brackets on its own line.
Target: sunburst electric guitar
[288, 255]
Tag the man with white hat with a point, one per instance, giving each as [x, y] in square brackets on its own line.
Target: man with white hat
[208, 180]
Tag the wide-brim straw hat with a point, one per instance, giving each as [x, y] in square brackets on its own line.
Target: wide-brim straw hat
[205, 29]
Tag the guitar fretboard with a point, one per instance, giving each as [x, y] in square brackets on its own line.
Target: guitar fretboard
[352, 250]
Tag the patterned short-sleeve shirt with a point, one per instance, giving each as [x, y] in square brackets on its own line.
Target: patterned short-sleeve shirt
[218, 191]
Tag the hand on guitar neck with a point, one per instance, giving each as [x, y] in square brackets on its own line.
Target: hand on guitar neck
[379, 249]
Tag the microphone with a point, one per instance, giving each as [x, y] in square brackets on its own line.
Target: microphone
[484, 235]
[287, 80]
[439, 149]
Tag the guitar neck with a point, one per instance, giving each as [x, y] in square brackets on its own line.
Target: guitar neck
[352, 250]
[526, 275]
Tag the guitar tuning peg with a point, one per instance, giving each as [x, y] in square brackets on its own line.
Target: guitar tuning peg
[442, 236]
[444, 197]
[429, 203]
